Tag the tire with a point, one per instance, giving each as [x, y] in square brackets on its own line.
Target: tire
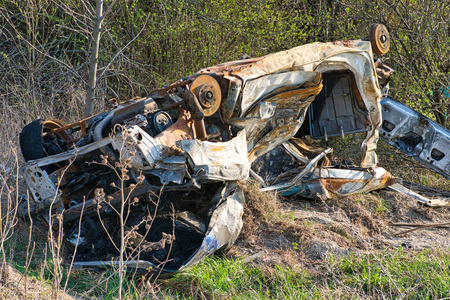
[31, 141]
[34, 145]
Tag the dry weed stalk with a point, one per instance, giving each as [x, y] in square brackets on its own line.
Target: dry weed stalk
[56, 238]
[9, 181]
[121, 169]
[30, 253]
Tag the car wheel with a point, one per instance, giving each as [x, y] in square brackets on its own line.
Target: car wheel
[36, 142]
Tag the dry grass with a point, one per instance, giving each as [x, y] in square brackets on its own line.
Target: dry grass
[298, 232]
[17, 286]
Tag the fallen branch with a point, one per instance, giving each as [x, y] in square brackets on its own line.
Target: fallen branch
[419, 226]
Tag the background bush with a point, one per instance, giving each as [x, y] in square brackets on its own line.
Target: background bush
[44, 46]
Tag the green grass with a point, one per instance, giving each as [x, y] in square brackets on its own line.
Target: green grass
[391, 274]
[397, 274]
[409, 275]
[234, 279]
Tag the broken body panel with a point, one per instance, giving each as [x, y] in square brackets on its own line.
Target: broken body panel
[416, 135]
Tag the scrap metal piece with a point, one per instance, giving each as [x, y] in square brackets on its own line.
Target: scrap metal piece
[138, 146]
[55, 125]
[305, 146]
[281, 102]
[295, 152]
[127, 110]
[72, 213]
[180, 130]
[142, 265]
[347, 182]
[170, 169]
[434, 202]
[43, 190]
[224, 226]
[223, 229]
[335, 111]
[298, 178]
[384, 73]
[353, 56]
[161, 121]
[229, 103]
[258, 178]
[270, 84]
[220, 160]
[416, 135]
[324, 182]
[72, 153]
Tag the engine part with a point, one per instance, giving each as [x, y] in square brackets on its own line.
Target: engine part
[158, 122]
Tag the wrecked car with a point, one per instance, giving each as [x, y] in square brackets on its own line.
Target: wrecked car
[162, 173]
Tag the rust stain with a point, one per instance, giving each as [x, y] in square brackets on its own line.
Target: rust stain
[285, 99]
[335, 185]
[217, 149]
[180, 130]
[163, 91]
[345, 43]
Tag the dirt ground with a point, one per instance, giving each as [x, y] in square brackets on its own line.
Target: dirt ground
[298, 232]
[15, 286]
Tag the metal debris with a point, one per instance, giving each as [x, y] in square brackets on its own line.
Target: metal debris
[416, 135]
[435, 201]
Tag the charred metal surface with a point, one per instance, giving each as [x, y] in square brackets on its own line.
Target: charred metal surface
[335, 111]
[278, 116]
[353, 56]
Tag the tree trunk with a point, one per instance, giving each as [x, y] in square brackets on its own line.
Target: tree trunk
[94, 59]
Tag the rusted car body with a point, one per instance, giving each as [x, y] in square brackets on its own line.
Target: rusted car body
[173, 160]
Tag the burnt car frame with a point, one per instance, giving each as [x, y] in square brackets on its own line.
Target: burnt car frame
[172, 161]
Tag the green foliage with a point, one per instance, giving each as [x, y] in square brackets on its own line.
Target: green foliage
[420, 49]
[147, 44]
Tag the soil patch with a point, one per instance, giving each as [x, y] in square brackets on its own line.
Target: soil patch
[15, 286]
[299, 232]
